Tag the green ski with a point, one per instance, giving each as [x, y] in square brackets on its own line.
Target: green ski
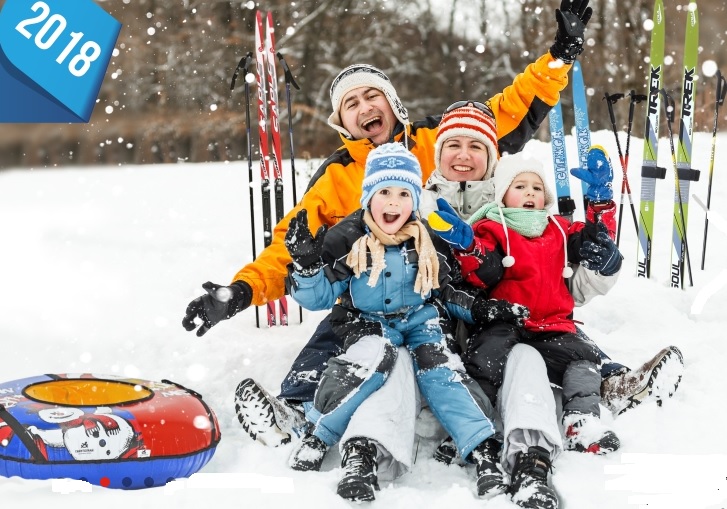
[650, 172]
[684, 173]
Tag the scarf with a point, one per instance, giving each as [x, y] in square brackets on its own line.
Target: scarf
[427, 277]
[529, 223]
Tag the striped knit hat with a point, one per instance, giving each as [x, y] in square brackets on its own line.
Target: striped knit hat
[391, 164]
[363, 75]
[474, 123]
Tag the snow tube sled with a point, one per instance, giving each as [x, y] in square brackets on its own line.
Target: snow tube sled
[109, 431]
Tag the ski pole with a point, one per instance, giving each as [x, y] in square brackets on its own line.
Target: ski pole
[245, 63]
[611, 99]
[635, 99]
[719, 101]
[670, 108]
[289, 80]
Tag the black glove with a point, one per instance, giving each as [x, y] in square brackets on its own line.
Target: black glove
[220, 303]
[303, 248]
[601, 255]
[572, 18]
[494, 310]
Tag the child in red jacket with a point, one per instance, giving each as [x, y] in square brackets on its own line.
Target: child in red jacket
[535, 249]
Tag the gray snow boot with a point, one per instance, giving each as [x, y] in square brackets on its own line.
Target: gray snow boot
[657, 380]
[359, 470]
[529, 486]
[490, 480]
[266, 418]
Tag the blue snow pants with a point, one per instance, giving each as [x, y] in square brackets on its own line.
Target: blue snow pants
[371, 343]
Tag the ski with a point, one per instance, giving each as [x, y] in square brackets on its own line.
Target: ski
[264, 149]
[582, 124]
[290, 80]
[566, 205]
[650, 172]
[684, 173]
[277, 159]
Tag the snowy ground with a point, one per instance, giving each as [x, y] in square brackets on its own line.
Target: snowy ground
[98, 264]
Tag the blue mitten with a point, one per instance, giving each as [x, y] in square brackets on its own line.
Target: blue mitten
[598, 175]
[447, 224]
[602, 255]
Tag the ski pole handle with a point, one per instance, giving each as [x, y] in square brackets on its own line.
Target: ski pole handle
[611, 100]
[288, 75]
[245, 65]
[669, 107]
[721, 89]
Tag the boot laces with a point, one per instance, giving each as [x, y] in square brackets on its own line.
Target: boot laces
[531, 464]
[359, 459]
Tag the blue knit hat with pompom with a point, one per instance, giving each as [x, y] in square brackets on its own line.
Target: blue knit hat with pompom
[391, 164]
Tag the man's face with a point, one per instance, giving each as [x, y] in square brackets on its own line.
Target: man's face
[365, 113]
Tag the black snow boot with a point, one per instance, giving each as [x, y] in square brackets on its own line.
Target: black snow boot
[308, 454]
[490, 480]
[359, 470]
[446, 452]
[529, 486]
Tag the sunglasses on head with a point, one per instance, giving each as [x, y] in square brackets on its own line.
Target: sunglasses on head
[475, 104]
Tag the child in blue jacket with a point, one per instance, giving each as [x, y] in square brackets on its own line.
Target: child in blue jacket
[387, 278]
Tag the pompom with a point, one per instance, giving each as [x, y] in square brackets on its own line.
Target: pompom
[567, 272]
[508, 261]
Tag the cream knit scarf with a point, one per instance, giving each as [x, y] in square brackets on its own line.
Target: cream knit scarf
[428, 275]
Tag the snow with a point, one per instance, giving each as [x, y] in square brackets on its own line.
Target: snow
[97, 266]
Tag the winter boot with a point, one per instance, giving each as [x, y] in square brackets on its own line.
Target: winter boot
[359, 470]
[529, 481]
[490, 481]
[308, 454]
[586, 433]
[446, 452]
[656, 380]
[266, 419]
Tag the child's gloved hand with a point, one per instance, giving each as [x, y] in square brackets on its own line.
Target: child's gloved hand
[602, 255]
[598, 174]
[447, 224]
[486, 310]
[304, 249]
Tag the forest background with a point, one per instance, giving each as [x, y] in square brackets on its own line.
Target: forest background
[166, 96]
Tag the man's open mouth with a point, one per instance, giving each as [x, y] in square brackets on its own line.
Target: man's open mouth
[372, 124]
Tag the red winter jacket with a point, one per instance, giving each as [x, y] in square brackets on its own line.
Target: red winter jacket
[536, 279]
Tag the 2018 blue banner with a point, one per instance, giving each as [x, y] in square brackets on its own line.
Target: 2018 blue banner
[53, 58]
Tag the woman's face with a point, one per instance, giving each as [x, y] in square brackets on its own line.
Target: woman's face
[463, 158]
[391, 208]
